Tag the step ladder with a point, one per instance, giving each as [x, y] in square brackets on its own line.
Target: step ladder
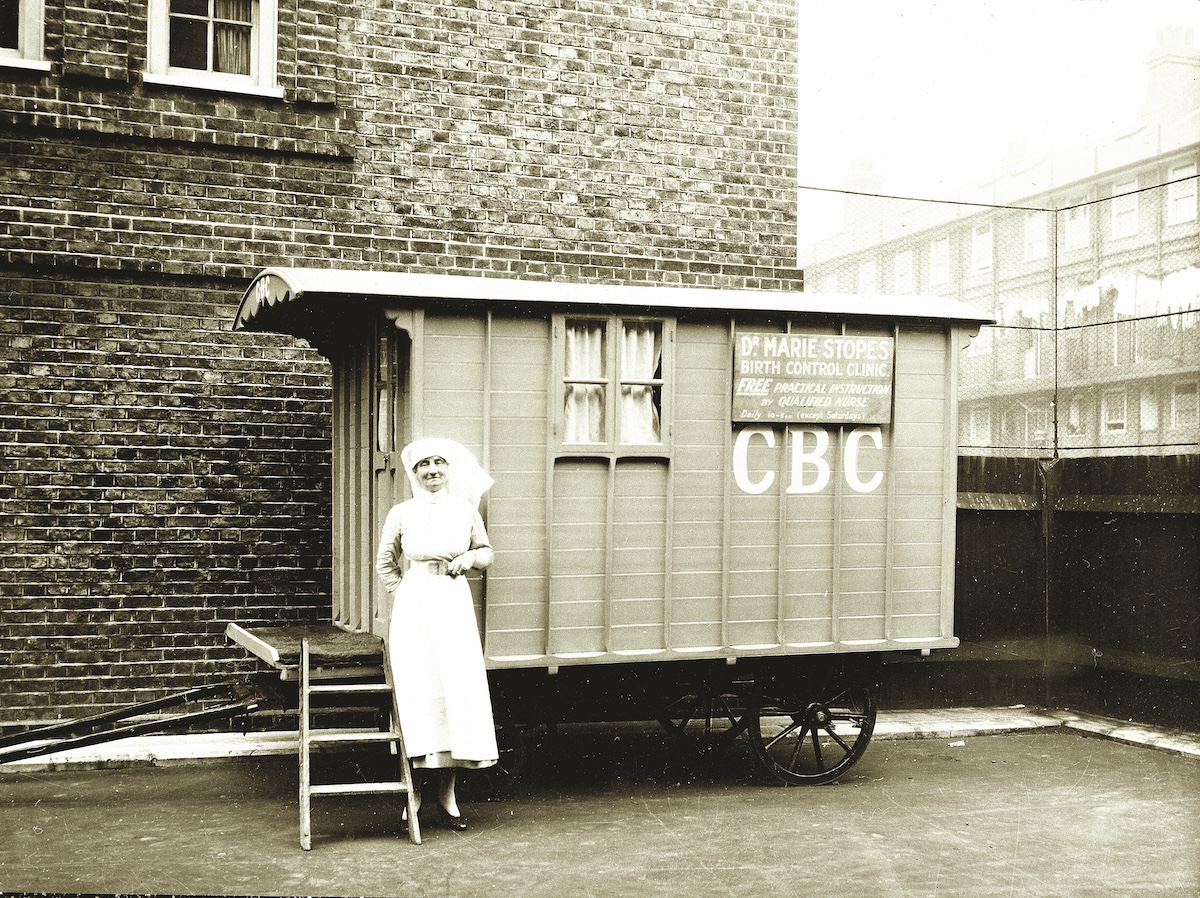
[329, 693]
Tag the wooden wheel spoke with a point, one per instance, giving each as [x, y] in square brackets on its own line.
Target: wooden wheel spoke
[830, 727]
[784, 733]
[710, 709]
[727, 712]
[692, 713]
[838, 739]
[817, 757]
[794, 763]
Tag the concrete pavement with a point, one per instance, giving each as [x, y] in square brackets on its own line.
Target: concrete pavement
[987, 802]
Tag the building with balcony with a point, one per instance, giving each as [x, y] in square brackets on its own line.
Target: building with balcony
[1089, 261]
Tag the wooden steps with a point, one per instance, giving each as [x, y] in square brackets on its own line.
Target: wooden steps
[332, 695]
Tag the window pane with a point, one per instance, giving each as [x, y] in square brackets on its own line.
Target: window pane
[641, 403]
[10, 24]
[189, 44]
[1036, 240]
[584, 403]
[981, 248]
[1112, 412]
[868, 280]
[1079, 227]
[233, 11]
[383, 395]
[939, 261]
[903, 274]
[1186, 410]
[1125, 210]
[585, 349]
[189, 8]
[1181, 195]
[232, 51]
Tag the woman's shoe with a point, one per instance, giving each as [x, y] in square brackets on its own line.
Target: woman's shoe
[451, 821]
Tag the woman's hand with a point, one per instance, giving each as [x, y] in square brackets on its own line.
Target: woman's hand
[461, 564]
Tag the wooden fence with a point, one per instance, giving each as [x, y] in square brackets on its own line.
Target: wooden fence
[1083, 574]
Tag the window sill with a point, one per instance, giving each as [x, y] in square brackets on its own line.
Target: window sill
[29, 65]
[216, 85]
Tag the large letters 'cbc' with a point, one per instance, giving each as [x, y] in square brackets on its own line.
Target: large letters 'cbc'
[810, 469]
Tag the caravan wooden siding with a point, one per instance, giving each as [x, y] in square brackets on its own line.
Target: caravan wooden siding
[605, 559]
[514, 451]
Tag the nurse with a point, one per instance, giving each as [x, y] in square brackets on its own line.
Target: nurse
[428, 544]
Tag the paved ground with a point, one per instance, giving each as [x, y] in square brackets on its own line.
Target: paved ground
[1040, 810]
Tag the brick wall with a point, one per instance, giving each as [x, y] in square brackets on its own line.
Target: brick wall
[164, 476]
[588, 140]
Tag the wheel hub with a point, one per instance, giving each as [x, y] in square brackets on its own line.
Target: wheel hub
[818, 715]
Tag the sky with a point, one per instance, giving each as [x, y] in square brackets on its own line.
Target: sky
[933, 92]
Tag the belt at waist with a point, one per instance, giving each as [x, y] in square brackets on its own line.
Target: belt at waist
[437, 567]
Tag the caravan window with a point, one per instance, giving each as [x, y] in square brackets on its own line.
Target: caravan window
[613, 374]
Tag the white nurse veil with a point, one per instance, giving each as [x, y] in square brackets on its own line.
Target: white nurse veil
[465, 478]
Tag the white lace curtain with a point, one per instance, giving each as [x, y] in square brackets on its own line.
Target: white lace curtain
[231, 35]
[587, 381]
[641, 361]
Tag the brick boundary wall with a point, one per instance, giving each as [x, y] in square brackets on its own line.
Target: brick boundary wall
[163, 476]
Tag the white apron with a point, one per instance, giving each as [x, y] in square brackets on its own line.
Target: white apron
[437, 667]
[433, 640]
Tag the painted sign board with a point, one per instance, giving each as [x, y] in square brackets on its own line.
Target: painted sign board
[812, 378]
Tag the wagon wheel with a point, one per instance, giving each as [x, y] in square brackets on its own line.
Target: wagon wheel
[715, 713]
[495, 782]
[812, 728]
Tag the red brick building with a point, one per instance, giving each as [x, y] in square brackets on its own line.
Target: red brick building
[162, 475]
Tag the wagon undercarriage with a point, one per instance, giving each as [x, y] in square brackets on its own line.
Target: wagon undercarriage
[808, 719]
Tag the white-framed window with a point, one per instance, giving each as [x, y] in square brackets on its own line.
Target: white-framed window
[22, 29]
[1036, 235]
[614, 373]
[1031, 357]
[1074, 416]
[979, 425]
[939, 261]
[868, 277]
[1125, 209]
[1185, 405]
[1079, 225]
[1037, 426]
[1148, 417]
[981, 247]
[1181, 194]
[903, 272]
[223, 45]
[1114, 412]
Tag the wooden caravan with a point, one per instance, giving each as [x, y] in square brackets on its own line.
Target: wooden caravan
[742, 481]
